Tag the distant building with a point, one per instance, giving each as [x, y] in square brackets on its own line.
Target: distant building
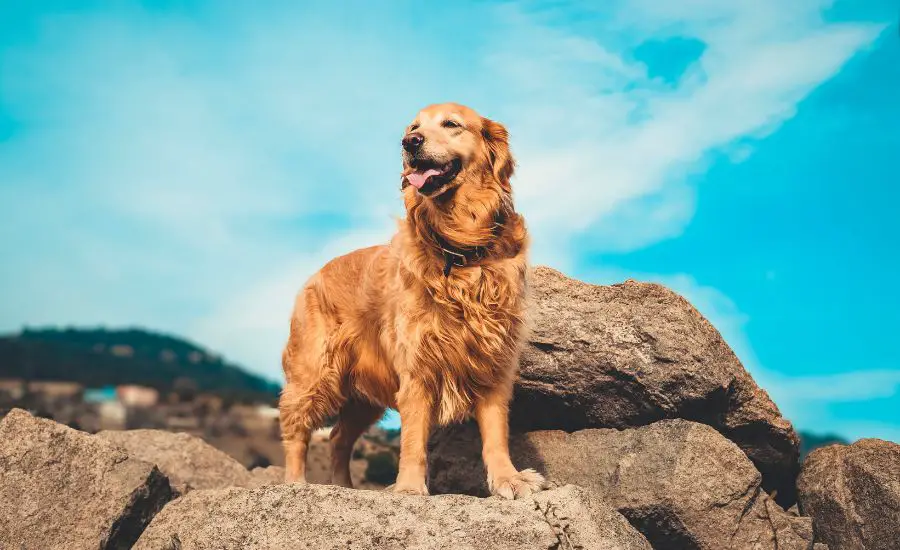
[112, 415]
[182, 423]
[267, 411]
[209, 403]
[137, 396]
[14, 388]
[105, 394]
[53, 390]
[121, 350]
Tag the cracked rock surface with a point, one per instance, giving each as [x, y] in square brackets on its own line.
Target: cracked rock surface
[189, 462]
[680, 483]
[634, 353]
[327, 517]
[61, 488]
[852, 493]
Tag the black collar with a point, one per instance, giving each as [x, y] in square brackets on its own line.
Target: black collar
[462, 257]
[459, 257]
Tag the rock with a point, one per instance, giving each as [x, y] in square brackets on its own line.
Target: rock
[631, 354]
[680, 483]
[852, 493]
[328, 517]
[189, 462]
[270, 475]
[61, 488]
[801, 525]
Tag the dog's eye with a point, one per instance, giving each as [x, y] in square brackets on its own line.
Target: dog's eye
[450, 124]
[414, 127]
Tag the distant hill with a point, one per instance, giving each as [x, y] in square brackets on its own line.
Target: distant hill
[101, 357]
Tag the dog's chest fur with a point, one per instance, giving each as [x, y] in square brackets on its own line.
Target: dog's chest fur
[468, 333]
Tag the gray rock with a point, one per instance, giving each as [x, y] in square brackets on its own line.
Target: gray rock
[852, 493]
[327, 517]
[631, 354]
[61, 488]
[680, 483]
[260, 477]
[189, 462]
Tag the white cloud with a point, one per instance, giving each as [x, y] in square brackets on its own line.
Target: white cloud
[585, 158]
[841, 387]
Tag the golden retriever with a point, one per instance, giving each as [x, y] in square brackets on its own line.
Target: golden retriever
[430, 324]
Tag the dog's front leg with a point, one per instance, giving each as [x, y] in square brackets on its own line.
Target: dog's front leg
[416, 409]
[492, 415]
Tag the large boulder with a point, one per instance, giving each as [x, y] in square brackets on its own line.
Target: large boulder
[852, 493]
[680, 483]
[327, 517]
[633, 353]
[61, 488]
[189, 462]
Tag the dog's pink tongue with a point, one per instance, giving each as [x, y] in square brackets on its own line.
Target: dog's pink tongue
[418, 179]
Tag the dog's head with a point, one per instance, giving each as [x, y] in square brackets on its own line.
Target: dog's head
[450, 145]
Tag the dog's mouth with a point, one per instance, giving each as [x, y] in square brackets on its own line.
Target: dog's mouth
[428, 177]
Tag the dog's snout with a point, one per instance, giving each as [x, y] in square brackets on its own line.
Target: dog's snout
[412, 141]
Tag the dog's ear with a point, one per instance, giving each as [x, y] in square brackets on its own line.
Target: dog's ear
[502, 163]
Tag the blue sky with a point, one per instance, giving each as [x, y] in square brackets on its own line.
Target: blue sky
[185, 165]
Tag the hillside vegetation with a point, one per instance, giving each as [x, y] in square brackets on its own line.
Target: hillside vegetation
[101, 357]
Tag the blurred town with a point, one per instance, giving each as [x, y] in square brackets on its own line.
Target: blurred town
[46, 375]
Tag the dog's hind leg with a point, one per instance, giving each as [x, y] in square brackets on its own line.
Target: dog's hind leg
[295, 434]
[306, 408]
[355, 418]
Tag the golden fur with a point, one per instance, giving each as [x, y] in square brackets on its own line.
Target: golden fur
[384, 327]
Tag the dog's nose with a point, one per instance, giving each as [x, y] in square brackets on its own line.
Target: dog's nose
[412, 142]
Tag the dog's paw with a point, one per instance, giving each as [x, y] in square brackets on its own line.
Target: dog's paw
[300, 480]
[406, 489]
[519, 485]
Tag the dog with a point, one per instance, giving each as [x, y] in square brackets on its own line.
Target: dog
[431, 324]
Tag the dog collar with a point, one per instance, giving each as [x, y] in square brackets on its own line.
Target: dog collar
[461, 257]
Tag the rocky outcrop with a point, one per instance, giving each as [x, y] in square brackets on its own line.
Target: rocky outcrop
[61, 488]
[852, 492]
[189, 462]
[326, 517]
[630, 354]
[680, 483]
[646, 424]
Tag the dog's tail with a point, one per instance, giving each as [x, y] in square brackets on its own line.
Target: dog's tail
[308, 408]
